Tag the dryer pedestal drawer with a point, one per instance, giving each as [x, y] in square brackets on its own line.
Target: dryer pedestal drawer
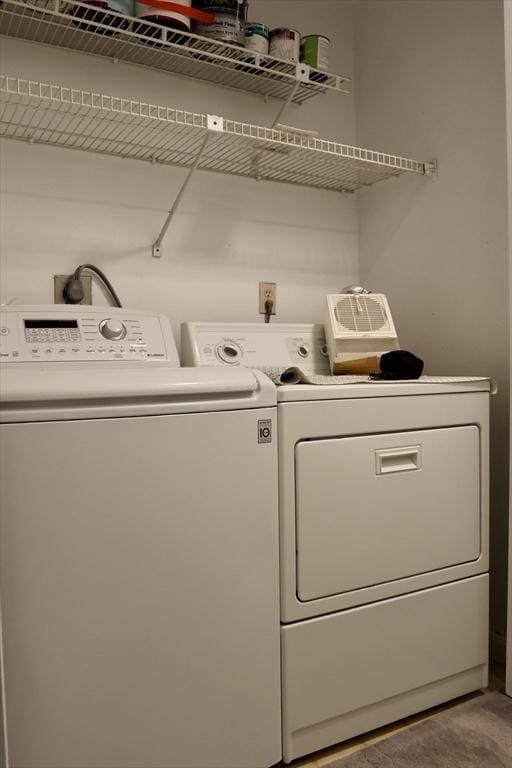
[353, 671]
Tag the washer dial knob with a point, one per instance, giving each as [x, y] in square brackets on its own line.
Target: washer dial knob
[112, 329]
[229, 352]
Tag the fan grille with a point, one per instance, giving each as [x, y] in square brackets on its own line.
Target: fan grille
[361, 314]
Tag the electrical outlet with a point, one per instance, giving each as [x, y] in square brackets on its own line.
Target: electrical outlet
[59, 282]
[268, 291]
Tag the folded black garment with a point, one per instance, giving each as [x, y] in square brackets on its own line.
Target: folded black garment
[399, 364]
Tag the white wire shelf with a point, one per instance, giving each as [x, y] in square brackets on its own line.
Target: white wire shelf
[81, 27]
[64, 117]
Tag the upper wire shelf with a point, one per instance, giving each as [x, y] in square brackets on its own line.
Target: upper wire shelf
[67, 117]
[81, 27]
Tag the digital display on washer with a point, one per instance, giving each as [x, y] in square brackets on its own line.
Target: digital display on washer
[51, 324]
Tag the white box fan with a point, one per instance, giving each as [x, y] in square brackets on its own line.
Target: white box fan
[358, 325]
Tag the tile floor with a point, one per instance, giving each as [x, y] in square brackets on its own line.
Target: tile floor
[324, 757]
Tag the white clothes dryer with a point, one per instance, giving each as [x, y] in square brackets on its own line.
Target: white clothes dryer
[383, 493]
[139, 548]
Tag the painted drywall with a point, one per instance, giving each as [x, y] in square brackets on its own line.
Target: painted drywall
[507, 7]
[61, 207]
[430, 84]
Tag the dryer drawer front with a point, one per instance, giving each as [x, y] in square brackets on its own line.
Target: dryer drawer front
[353, 671]
[373, 509]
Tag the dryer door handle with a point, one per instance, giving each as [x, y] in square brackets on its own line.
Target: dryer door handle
[389, 460]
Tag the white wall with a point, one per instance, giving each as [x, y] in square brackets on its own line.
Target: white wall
[430, 80]
[508, 59]
[62, 207]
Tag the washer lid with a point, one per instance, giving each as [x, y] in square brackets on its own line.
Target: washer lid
[82, 385]
[303, 392]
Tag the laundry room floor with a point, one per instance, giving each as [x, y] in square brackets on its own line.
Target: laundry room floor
[327, 757]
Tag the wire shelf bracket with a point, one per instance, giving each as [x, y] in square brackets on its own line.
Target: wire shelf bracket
[431, 170]
[213, 123]
[216, 123]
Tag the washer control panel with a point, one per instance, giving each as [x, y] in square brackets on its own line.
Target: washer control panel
[255, 345]
[75, 333]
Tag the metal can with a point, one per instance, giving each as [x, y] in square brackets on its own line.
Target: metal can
[314, 51]
[172, 19]
[229, 21]
[285, 44]
[120, 6]
[98, 11]
[256, 37]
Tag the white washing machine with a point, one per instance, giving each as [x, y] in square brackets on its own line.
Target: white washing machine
[384, 521]
[139, 548]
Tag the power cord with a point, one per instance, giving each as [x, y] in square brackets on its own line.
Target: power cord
[269, 305]
[74, 291]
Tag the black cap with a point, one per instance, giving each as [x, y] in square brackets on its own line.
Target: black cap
[401, 364]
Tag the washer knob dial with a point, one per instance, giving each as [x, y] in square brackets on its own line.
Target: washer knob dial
[229, 352]
[112, 329]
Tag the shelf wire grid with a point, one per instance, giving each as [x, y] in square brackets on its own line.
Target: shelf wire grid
[89, 29]
[66, 117]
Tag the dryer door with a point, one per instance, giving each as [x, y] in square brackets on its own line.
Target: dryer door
[378, 508]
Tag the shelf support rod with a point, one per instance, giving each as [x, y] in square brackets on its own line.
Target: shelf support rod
[302, 77]
[285, 104]
[157, 245]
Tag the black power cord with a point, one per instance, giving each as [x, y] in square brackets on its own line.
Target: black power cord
[74, 291]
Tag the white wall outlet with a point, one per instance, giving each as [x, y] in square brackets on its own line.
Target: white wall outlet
[268, 291]
[59, 281]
